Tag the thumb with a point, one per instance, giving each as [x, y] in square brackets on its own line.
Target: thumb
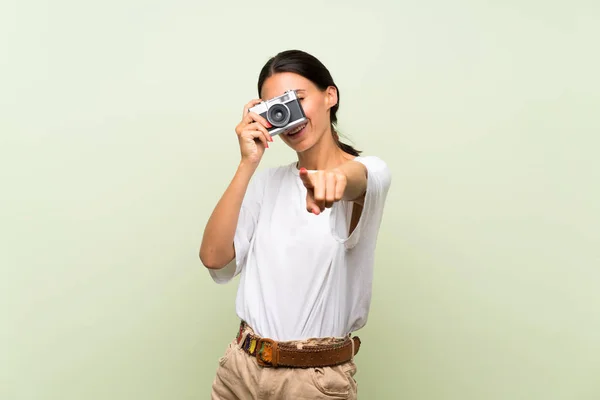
[311, 204]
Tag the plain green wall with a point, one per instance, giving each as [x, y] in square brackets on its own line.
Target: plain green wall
[116, 123]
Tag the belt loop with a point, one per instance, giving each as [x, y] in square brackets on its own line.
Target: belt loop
[351, 341]
[243, 333]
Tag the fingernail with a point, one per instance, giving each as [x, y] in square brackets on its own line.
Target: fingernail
[303, 170]
[269, 125]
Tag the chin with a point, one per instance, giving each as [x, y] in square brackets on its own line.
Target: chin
[301, 147]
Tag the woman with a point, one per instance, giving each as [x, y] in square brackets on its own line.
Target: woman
[303, 238]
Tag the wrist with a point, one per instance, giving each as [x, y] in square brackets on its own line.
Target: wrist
[351, 169]
[246, 167]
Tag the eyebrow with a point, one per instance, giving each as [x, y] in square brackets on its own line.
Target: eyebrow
[300, 90]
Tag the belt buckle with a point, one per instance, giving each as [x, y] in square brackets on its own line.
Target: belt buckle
[267, 352]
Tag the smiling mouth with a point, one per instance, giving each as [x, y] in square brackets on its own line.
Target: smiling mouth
[296, 130]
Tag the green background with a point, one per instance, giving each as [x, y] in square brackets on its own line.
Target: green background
[116, 122]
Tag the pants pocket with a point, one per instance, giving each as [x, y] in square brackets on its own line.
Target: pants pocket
[223, 359]
[336, 382]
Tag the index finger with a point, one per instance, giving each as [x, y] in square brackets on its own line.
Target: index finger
[304, 176]
[255, 117]
[249, 105]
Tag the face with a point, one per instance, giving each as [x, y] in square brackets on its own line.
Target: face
[315, 102]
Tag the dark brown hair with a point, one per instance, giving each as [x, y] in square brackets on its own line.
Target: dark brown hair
[308, 66]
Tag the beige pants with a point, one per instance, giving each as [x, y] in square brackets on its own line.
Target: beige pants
[239, 377]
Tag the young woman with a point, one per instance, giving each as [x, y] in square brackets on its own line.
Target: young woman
[302, 237]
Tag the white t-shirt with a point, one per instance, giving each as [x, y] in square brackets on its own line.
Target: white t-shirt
[302, 275]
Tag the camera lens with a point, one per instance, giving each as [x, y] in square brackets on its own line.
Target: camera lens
[278, 115]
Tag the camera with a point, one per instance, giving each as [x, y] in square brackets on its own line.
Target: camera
[283, 112]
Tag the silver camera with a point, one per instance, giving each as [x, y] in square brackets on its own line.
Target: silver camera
[283, 112]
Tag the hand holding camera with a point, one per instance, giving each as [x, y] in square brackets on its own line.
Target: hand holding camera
[252, 134]
[262, 120]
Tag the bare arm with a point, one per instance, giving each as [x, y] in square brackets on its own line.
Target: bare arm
[356, 181]
[217, 250]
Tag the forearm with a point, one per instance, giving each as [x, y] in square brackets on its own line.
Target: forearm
[356, 181]
[217, 249]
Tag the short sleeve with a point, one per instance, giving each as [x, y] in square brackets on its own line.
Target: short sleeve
[378, 183]
[244, 231]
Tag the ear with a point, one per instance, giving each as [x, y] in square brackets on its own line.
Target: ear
[331, 97]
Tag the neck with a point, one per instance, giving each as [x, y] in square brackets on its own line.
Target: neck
[325, 154]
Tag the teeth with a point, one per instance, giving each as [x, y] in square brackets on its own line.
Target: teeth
[296, 130]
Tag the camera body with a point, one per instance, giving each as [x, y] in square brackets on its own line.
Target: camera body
[283, 112]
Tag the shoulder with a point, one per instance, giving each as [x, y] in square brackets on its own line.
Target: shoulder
[373, 162]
